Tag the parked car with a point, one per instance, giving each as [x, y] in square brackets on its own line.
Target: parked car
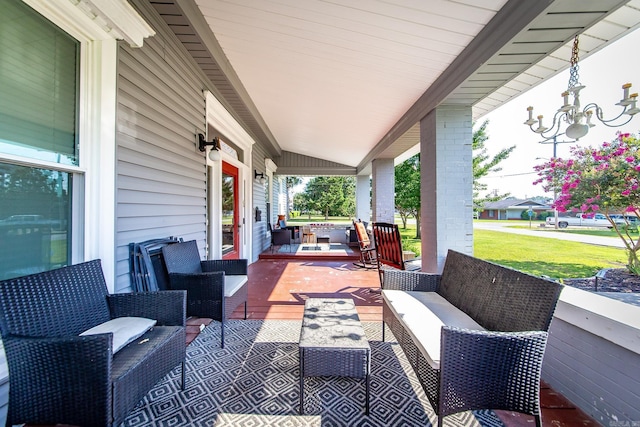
[584, 220]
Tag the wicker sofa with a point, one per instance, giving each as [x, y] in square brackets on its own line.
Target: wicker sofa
[57, 374]
[475, 335]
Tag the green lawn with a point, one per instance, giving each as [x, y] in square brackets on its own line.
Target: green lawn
[558, 259]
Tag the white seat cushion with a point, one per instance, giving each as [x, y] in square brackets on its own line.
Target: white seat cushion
[124, 330]
[233, 283]
[423, 315]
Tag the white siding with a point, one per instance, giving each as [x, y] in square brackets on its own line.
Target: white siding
[261, 237]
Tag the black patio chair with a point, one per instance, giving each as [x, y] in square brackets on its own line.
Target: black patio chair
[215, 288]
[279, 237]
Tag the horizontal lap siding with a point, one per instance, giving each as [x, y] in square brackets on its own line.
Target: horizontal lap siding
[261, 238]
[161, 176]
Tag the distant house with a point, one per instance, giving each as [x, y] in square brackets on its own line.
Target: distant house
[511, 208]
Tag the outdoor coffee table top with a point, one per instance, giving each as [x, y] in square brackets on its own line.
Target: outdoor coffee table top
[332, 323]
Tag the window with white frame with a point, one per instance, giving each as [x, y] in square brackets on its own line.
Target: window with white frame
[39, 92]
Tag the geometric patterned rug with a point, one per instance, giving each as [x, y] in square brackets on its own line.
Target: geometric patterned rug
[254, 381]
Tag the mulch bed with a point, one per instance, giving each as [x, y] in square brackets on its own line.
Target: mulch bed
[614, 280]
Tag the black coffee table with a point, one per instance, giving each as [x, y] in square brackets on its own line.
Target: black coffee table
[333, 343]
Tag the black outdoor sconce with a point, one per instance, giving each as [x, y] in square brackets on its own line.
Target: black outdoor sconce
[214, 154]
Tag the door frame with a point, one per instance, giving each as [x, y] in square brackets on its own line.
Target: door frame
[220, 123]
[238, 226]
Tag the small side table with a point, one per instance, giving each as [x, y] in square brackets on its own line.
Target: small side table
[333, 343]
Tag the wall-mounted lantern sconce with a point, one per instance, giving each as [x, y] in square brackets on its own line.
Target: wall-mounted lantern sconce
[258, 214]
[214, 153]
[259, 177]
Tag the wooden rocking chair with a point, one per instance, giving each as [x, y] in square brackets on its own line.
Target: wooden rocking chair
[388, 244]
[367, 251]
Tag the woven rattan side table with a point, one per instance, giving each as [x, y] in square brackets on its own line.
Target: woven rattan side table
[333, 343]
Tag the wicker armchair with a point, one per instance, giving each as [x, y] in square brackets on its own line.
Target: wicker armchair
[59, 376]
[215, 288]
[279, 237]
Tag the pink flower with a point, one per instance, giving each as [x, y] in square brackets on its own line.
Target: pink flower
[626, 192]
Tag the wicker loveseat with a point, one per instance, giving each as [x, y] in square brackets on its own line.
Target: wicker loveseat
[57, 375]
[474, 335]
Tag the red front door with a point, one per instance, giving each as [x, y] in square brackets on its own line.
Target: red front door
[230, 212]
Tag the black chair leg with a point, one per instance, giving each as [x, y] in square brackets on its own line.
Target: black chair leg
[245, 310]
[222, 334]
[184, 376]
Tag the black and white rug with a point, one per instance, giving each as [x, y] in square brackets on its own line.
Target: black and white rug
[254, 381]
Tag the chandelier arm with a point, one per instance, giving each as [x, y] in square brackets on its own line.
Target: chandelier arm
[552, 132]
[599, 115]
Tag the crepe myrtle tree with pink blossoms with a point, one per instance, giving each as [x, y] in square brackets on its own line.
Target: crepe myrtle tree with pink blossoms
[605, 179]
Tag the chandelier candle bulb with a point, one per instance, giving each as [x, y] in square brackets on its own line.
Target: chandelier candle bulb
[565, 96]
[531, 120]
[540, 127]
[626, 99]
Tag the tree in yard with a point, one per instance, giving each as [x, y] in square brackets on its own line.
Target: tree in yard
[605, 179]
[291, 181]
[407, 191]
[302, 203]
[484, 164]
[330, 195]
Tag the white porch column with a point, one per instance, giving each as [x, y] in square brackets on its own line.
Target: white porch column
[363, 198]
[446, 185]
[383, 190]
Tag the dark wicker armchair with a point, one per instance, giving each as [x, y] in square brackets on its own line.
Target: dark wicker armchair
[58, 376]
[279, 237]
[215, 288]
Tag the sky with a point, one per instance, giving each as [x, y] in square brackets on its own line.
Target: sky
[603, 74]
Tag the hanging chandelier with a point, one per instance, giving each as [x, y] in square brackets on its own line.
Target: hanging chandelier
[578, 119]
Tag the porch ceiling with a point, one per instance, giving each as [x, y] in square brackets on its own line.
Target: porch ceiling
[347, 82]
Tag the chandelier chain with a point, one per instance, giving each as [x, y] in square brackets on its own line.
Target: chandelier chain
[573, 70]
